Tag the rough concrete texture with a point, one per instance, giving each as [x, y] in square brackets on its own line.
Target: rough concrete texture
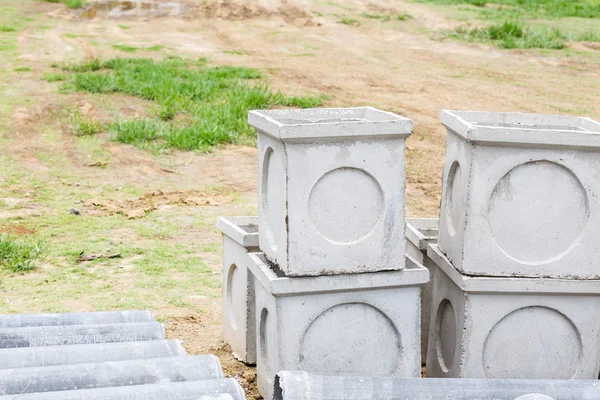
[331, 189]
[297, 385]
[342, 324]
[240, 235]
[532, 212]
[219, 389]
[109, 374]
[80, 334]
[525, 328]
[420, 232]
[87, 318]
[25, 357]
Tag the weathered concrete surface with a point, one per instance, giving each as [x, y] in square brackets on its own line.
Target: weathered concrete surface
[420, 232]
[533, 211]
[331, 189]
[297, 385]
[512, 328]
[219, 389]
[240, 235]
[80, 334]
[342, 324]
[109, 374]
[25, 357]
[87, 318]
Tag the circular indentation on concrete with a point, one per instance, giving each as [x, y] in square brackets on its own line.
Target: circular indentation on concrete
[445, 335]
[534, 396]
[532, 343]
[263, 341]
[455, 197]
[352, 338]
[345, 205]
[236, 293]
[273, 197]
[537, 212]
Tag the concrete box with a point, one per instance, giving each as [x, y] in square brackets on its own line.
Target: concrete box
[240, 235]
[331, 189]
[345, 324]
[520, 195]
[420, 232]
[508, 328]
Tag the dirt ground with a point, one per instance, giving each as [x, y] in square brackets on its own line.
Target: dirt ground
[396, 66]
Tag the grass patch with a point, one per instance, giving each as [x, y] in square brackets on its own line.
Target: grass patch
[155, 48]
[19, 255]
[6, 28]
[404, 16]
[69, 35]
[123, 26]
[54, 77]
[125, 48]
[348, 21]
[200, 105]
[234, 52]
[538, 8]
[69, 3]
[82, 126]
[589, 36]
[512, 35]
[22, 69]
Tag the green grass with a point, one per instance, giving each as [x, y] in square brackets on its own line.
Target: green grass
[384, 18]
[348, 21]
[123, 26]
[125, 48]
[155, 48]
[538, 8]
[234, 52]
[403, 16]
[69, 35]
[19, 254]
[200, 106]
[513, 35]
[22, 69]
[69, 3]
[6, 28]
[54, 77]
[83, 126]
[589, 36]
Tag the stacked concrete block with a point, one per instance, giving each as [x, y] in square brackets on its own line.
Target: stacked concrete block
[240, 235]
[297, 385]
[331, 189]
[338, 324]
[334, 291]
[108, 355]
[516, 281]
[420, 232]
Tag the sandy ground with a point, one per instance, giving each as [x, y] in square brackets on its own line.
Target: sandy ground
[395, 66]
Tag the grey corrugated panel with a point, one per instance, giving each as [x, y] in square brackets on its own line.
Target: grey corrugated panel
[26, 357]
[80, 334]
[296, 385]
[87, 318]
[109, 374]
[220, 389]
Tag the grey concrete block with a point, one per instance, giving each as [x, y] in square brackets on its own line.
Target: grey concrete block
[80, 334]
[331, 189]
[109, 374]
[532, 212]
[84, 318]
[218, 389]
[420, 232]
[240, 235]
[296, 385]
[509, 328]
[25, 357]
[341, 324]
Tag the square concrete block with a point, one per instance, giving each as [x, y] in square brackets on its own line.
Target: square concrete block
[420, 232]
[512, 328]
[240, 235]
[520, 195]
[341, 324]
[331, 189]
